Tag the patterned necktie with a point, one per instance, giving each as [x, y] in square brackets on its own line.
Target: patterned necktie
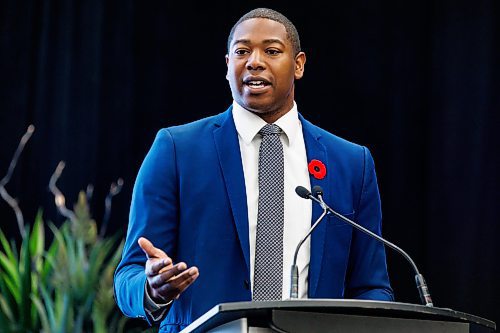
[268, 272]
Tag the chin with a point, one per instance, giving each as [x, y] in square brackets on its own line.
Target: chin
[258, 106]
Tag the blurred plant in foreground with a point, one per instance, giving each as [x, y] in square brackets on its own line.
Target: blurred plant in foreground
[21, 274]
[67, 287]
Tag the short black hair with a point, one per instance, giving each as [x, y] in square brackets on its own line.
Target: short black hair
[291, 31]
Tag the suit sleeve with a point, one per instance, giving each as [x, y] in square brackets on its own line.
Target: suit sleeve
[154, 215]
[367, 271]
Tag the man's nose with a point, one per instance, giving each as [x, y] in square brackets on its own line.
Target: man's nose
[255, 61]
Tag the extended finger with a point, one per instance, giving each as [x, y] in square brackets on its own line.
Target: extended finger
[176, 286]
[184, 280]
[155, 266]
[149, 249]
[160, 279]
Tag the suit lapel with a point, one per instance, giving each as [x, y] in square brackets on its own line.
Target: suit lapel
[228, 150]
[315, 150]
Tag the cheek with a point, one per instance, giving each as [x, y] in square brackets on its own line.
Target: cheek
[287, 79]
[232, 78]
[232, 73]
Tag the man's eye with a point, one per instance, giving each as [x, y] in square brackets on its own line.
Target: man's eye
[273, 52]
[241, 51]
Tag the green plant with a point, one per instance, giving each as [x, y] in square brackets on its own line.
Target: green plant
[67, 287]
[19, 280]
[79, 294]
[18, 283]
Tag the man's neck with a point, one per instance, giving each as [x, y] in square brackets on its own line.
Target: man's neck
[272, 116]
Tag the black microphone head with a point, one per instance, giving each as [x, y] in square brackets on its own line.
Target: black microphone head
[317, 190]
[302, 192]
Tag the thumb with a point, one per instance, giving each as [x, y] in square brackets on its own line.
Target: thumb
[149, 249]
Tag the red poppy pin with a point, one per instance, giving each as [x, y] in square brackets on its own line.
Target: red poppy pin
[317, 169]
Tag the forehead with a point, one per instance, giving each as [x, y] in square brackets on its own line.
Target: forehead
[257, 30]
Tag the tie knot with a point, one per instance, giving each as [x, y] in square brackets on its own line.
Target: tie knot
[269, 129]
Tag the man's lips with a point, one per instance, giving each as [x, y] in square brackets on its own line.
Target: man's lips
[256, 84]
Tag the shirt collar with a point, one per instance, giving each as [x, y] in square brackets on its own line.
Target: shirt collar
[249, 124]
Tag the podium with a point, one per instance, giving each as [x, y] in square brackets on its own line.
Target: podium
[335, 315]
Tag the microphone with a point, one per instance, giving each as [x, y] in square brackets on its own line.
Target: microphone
[294, 274]
[317, 190]
[303, 192]
[423, 290]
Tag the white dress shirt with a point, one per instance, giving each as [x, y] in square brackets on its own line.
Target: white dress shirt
[298, 211]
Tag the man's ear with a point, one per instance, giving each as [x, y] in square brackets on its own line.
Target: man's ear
[300, 61]
[227, 64]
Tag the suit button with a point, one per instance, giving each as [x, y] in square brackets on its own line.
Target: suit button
[246, 284]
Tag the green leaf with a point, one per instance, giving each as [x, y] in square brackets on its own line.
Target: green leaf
[9, 267]
[63, 306]
[25, 279]
[13, 288]
[5, 292]
[6, 247]
[5, 310]
[37, 240]
[49, 262]
[34, 317]
[49, 307]
[59, 266]
[98, 255]
[42, 314]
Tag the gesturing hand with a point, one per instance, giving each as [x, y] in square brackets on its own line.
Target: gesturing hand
[166, 281]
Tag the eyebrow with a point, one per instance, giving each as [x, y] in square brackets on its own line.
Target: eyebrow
[265, 41]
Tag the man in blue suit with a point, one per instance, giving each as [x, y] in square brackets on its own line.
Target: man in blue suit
[197, 197]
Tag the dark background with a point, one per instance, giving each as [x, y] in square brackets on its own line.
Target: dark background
[415, 81]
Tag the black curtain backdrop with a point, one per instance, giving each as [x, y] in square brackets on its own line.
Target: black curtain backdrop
[417, 82]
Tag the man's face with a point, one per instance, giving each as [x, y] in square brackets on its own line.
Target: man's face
[261, 68]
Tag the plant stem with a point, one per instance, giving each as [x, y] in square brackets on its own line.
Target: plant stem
[3, 191]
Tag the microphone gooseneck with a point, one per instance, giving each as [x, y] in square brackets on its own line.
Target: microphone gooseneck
[294, 274]
[423, 290]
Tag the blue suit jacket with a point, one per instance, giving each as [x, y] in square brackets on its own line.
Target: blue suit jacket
[189, 199]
